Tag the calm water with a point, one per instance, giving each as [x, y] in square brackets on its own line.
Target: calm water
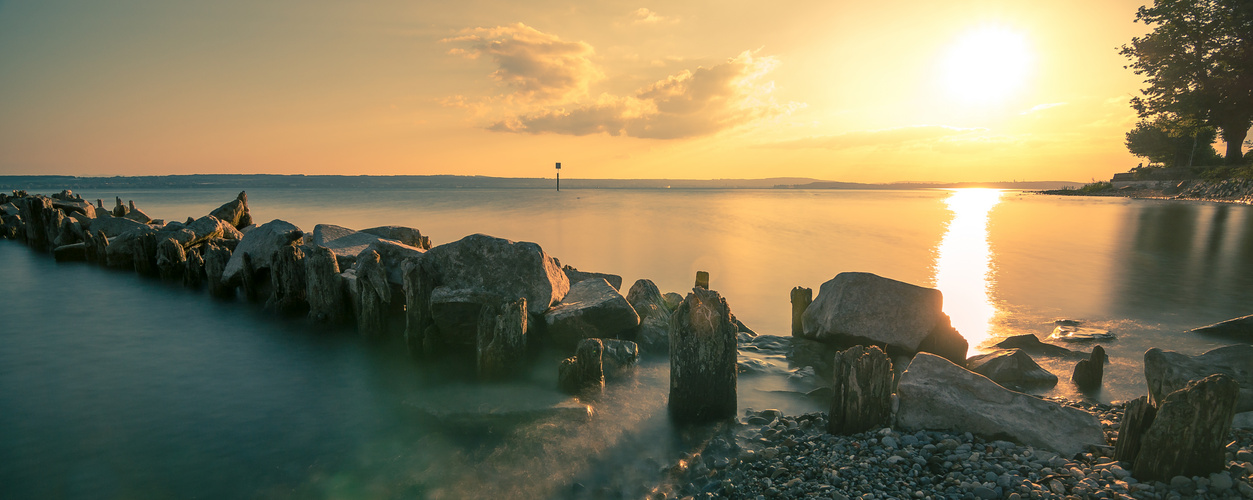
[113, 386]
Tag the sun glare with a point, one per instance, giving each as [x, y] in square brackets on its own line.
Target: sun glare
[986, 65]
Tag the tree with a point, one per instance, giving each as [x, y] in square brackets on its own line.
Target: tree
[1171, 144]
[1198, 64]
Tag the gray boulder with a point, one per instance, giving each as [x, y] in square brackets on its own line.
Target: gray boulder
[501, 345]
[341, 240]
[113, 226]
[653, 334]
[507, 268]
[121, 250]
[1011, 368]
[406, 235]
[325, 289]
[1241, 327]
[392, 255]
[936, 394]
[171, 260]
[235, 212]
[575, 276]
[644, 293]
[672, 300]
[372, 295]
[1169, 371]
[456, 313]
[862, 308]
[619, 358]
[583, 374]
[207, 228]
[592, 309]
[262, 244]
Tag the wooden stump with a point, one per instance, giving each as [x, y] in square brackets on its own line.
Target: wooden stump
[1137, 417]
[862, 382]
[328, 300]
[702, 279]
[1088, 372]
[500, 345]
[583, 374]
[1188, 434]
[703, 354]
[801, 298]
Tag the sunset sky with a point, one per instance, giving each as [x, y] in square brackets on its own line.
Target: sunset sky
[852, 91]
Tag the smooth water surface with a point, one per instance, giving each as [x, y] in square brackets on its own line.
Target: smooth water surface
[114, 386]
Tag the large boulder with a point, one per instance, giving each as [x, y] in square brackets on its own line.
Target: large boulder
[1241, 328]
[121, 250]
[207, 228]
[372, 295]
[325, 288]
[575, 276]
[501, 346]
[392, 255]
[509, 269]
[456, 313]
[653, 333]
[1169, 371]
[703, 355]
[262, 244]
[936, 394]
[592, 309]
[113, 226]
[341, 240]
[619, 358]
[1032, 345]
[406, 235]
[235, 212]
[1012, 368]
[863, 308]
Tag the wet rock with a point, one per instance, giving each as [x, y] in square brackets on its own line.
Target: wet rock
[1032, 345]
[862, 308]
[342, 241]
[507, 268]
[137, 215]
[806, 352]
[373, 295]
[406, 235]
[583, 373]
[417, 285]
[262, 245]
[71, 252]
[1011, 368]
[215, 260]
[501, 344]
[171, 260]
[193, 269]
[251, 279]
[1169, 371]
[1137, 417]
[392, 255]
[207, 228]
[456, 314]
[672, 300]
[936, 394]
[619, 358]
[34, 212]
[1189, 433]
[1088, 372]
[702, 359]
[235, 212]
[102, 248]
[119, 210]
[288, 282]
[144, 254]
[801, 298]
[592, 309]
[113, 226]
[653, 333]
[1241, 328]
[862, 390]
[325, 289]
[575, 276]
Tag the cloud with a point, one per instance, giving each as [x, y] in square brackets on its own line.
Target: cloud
[688, 104]
[898, 137]
[539, 67]
[644, 16]
[1041, 107]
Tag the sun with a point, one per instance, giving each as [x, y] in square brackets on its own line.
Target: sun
[987, 65]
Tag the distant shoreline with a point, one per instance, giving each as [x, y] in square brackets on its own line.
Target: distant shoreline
[254, 181]
[1232, 191]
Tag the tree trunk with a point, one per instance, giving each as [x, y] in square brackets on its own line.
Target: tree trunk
[1233, 135]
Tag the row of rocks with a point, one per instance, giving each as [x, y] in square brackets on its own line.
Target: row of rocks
[1229, 190]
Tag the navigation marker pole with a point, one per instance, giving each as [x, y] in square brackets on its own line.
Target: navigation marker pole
[559, 176]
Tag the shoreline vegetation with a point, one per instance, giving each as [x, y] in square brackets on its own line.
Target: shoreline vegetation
[911, 416]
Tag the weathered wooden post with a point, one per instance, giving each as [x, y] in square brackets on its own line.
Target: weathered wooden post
[862, 379]
[801, 298]
[558, 176]
[702, 279]
[702, 359]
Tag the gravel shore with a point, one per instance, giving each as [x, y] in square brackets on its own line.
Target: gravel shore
[793, 457]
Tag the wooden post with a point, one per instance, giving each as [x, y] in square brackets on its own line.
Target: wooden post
[558, 176]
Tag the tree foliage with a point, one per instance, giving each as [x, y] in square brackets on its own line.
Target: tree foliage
[1198, 64]
[1166, 144]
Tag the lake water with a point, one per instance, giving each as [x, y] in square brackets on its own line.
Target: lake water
[116, 386]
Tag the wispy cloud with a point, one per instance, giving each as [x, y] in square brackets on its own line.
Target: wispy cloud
[687, 104]
[537, 66]
[643, 15]
[898, 137]
[1041, 107]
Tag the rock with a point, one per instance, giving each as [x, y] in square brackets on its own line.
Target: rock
[215, 260]
[456, 314]
[507, 268]
[71, 252]
[1011, 368]
[120, 252]
[392, 255]
[207, 228]
[1241, 328]
[251, 280]
[1189, 433]
[342, 241]
[501, 345]
[644, 293]
[325, 289]
[862, 386]
[862, 308]
[1137, 416]
[137, 215]
[288, 282]
[262, 245]
[373, 295]
[119, 209]
[593, 308]
[619, 358]
[102, 248]
[702, 359]
[575, 276]
[114, 226]
[702, 279]
[801, 298]
[144, 254]
[406, 235]
[672, 300]
[819, 355]
[653, 333]
[1088, 372]
[1169, 371]
[473, 407]
[171, 260]
[193, 269]
[936, 394]
[235, 212]
[1032, 345]
[34, 211]
[582, 374]
[417, 285]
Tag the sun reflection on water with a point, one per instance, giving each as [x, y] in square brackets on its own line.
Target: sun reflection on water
[963, 264]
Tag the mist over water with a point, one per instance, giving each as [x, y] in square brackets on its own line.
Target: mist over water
[114, 386]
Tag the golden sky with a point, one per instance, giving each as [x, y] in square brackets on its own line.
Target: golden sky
[852, 91]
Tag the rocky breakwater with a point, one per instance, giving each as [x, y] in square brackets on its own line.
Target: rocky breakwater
[1229, 190]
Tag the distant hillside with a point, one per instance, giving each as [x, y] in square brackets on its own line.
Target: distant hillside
[44, 183]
